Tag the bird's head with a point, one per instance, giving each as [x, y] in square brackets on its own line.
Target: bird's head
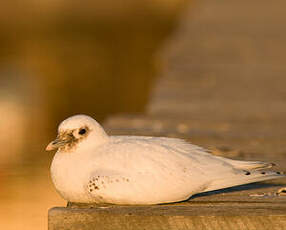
[78, 130]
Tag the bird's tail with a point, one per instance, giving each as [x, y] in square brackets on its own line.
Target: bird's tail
[249, 165]
[251, 171]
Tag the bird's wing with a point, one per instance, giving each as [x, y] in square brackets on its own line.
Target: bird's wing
[230, 172]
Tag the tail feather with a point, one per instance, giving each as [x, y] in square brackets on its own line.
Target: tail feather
[249, 165]
[245, 177]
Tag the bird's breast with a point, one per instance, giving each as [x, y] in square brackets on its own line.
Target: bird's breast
[69, 177]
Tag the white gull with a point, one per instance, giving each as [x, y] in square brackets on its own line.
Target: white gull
[92, 167]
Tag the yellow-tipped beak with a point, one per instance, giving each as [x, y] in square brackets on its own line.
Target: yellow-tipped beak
[57, 143]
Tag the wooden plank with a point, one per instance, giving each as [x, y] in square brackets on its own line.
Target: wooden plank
[255, 206]
[196, 216]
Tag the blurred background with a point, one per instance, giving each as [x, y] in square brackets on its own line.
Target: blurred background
[210, 71]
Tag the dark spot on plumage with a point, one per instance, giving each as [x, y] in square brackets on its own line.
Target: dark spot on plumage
[93, 183]
[278, 173]
[96, 187]
[90, 190]
[263, 173]
[247, 173]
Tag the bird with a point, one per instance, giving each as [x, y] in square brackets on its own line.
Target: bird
[92, 167]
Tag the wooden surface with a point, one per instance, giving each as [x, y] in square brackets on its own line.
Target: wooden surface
[105, 220]
[255, 206]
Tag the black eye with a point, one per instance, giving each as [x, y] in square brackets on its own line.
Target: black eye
[82, 131]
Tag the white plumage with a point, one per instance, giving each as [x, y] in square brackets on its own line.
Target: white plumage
[91, 166]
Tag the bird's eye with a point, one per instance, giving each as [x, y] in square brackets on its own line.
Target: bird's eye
[82, 131]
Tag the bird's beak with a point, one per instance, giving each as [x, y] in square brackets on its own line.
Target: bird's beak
[60, 141]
